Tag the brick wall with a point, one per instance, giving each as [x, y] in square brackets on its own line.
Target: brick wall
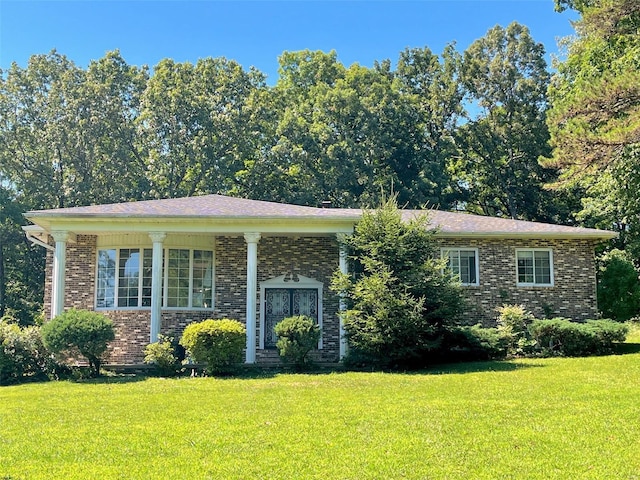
[573, 294]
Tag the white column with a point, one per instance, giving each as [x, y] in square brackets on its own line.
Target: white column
[344, 268]
[156, 284]
[252, 287]
[59, 265]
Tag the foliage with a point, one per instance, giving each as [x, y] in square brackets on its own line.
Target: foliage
[560, 336]
[80, 331]
[471, 343]
[23, 354]
[505, 77]
[513, 324]
[618, 286]
[297, 336]
[163, 355]
[216, 343]
[401, 299]
[595, 116]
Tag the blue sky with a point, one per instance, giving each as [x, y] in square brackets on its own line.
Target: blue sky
[255, 33]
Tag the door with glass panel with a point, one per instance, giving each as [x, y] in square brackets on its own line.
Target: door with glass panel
[281, 303]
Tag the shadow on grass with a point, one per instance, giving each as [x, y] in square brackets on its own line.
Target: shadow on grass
[475, 367]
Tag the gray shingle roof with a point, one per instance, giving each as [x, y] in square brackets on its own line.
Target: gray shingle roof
[219, 206]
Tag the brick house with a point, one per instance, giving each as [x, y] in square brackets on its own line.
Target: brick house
[155, 266]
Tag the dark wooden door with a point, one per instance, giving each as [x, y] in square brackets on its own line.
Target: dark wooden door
[281, 303]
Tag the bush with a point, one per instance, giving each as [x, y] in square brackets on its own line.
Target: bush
[618, 286]
[164, 356]
[79, 331]
[23, 354]
[513, 326]
[470, 343]
[216, 343]
[560, 336]
[297, 336]
[400, 298]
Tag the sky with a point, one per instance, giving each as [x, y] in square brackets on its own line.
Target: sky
[256, 32]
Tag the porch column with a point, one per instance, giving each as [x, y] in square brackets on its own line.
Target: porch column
[252, 287]
[59, 265]
[156, 284]
[344, 268]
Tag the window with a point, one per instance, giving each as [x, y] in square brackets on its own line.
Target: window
[124, 278]
[535, 266]
[463, 263]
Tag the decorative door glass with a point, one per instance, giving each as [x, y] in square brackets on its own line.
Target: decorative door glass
[281, 303]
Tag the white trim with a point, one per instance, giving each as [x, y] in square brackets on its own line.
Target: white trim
[279, 282]
[344, 269]
[251, 239]
[534, 283]
[444, 250]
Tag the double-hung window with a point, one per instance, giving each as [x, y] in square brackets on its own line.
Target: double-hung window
[534, 266]
[463, 263]
[124, 278]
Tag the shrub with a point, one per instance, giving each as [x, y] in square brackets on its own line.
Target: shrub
[23, 354]
[80, 331]
[618, 286]
[560, 336]
[297, 336]
[216, 343]
[163, 355]
[468, 343]
[400, 298]
[513, 325]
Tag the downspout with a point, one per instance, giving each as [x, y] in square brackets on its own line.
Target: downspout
[37, 241]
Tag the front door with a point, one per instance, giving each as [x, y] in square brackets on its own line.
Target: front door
[281, 303]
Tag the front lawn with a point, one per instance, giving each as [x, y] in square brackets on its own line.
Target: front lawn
[527, 419]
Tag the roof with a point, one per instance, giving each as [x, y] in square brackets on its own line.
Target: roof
[218, 213]
[218, 206]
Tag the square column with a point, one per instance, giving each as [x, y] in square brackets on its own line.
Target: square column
[252, 290]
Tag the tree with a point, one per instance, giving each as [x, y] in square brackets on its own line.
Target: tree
[594, 118]
[401, 299]
[505, 77]
[618, 286]
[194, 122]
[80, 331]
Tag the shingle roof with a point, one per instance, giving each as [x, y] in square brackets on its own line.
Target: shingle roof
[223, 207]
[219, 206]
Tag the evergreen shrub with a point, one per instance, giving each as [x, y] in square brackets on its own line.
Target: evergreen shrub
[80, 332]
[164, 356]
[297, 336]
[216, 343]
[560, 336]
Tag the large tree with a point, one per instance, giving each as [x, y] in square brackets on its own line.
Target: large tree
[505, 77]
[195, 125]
[595, 116]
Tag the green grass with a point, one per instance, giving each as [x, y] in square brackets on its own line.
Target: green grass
[526, 419]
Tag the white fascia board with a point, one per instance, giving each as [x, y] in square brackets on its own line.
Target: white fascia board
[601, 235]
[196, 225]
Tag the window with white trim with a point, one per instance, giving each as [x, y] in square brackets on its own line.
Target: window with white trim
[534, 266]
[463, 263]
[124, 278]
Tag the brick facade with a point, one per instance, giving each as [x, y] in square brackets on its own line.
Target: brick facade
[573, 294]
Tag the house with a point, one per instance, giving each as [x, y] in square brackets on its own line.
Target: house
[155, 266]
